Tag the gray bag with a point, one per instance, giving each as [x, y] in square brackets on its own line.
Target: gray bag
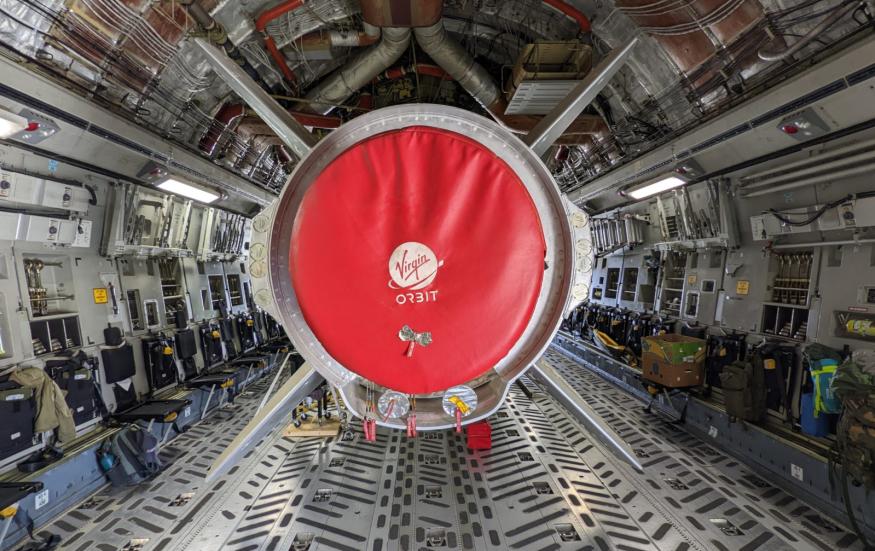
[136, 456]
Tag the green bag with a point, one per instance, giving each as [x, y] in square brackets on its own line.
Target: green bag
[856, 431]
[744, 389]
[857, 441]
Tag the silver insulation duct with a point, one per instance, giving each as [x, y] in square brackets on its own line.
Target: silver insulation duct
[455, 60]
[361, 70]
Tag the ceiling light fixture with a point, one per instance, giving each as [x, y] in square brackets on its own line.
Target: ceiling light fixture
[652, 188]
[11, 124]
[187, 190]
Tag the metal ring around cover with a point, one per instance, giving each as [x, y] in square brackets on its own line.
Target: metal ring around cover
[523, 162]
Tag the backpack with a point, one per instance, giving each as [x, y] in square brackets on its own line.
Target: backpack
[744, 389]
[855, 387]
[722, 350]
[130, 456]
[857, 440]
[822, 374]
[822, 363]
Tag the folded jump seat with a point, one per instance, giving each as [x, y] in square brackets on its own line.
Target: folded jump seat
[213, 383]
[211, 344]
[18, 412]
[186, 350]
[160, 362]
[75, 376]
[119, 369]
[247, 332]
[229, 337]
[217, 376]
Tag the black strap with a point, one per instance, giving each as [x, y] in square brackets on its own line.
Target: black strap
[40, 460]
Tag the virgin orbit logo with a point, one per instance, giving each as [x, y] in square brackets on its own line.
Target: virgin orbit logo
[412, 266]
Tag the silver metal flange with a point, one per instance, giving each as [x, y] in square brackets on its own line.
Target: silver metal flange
[272, 230]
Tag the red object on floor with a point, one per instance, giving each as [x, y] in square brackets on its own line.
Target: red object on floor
[425, 229]
[479, 436]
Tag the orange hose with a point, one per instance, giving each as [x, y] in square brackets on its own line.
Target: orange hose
[261, 24]
[419, 68]
[273, 13]
[280, 60]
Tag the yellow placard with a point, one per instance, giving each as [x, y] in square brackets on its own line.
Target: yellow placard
[742, 287]
[691, 279]
[100, 295]
[462, 406]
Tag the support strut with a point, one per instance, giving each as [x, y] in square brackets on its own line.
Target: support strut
[304, 381]
[290, 131]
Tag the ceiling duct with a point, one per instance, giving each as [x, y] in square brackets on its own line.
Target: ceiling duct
[476, 80]
[361, 70]
[402, 13]
[455, 60]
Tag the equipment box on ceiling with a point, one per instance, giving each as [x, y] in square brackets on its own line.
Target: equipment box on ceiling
[545, 73]
[674, 361]
[552, 61]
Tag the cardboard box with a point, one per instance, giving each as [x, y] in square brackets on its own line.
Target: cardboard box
[673, 361]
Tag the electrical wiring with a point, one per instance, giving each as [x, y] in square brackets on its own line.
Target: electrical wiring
[148, 41]
[789, 22]
[168, 92]
[74, 28]
[258, 53]
[135, 32]
[716, 16]
[819, 212]
[125, 72]
[661, 7]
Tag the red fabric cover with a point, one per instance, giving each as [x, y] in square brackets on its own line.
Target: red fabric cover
[449, 193]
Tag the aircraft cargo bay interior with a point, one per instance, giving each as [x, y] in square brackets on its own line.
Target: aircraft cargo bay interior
[391, 275]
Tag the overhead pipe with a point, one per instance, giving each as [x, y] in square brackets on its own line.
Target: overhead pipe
[361, 70]
[230, 113]
[284, 156]
[225, 118]
[476, 80]
[422, 69]
[455, 60]
[293, 134]
[339, 39]
[219, 36]
[819, 158]
[817, 168]
[812, 244]
[580, 132]
[820, 179]
[261, 24]
[370, 35]
[572, 12]
[317, 121]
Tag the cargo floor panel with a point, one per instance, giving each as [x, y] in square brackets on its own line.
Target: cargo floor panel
[544, 485]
